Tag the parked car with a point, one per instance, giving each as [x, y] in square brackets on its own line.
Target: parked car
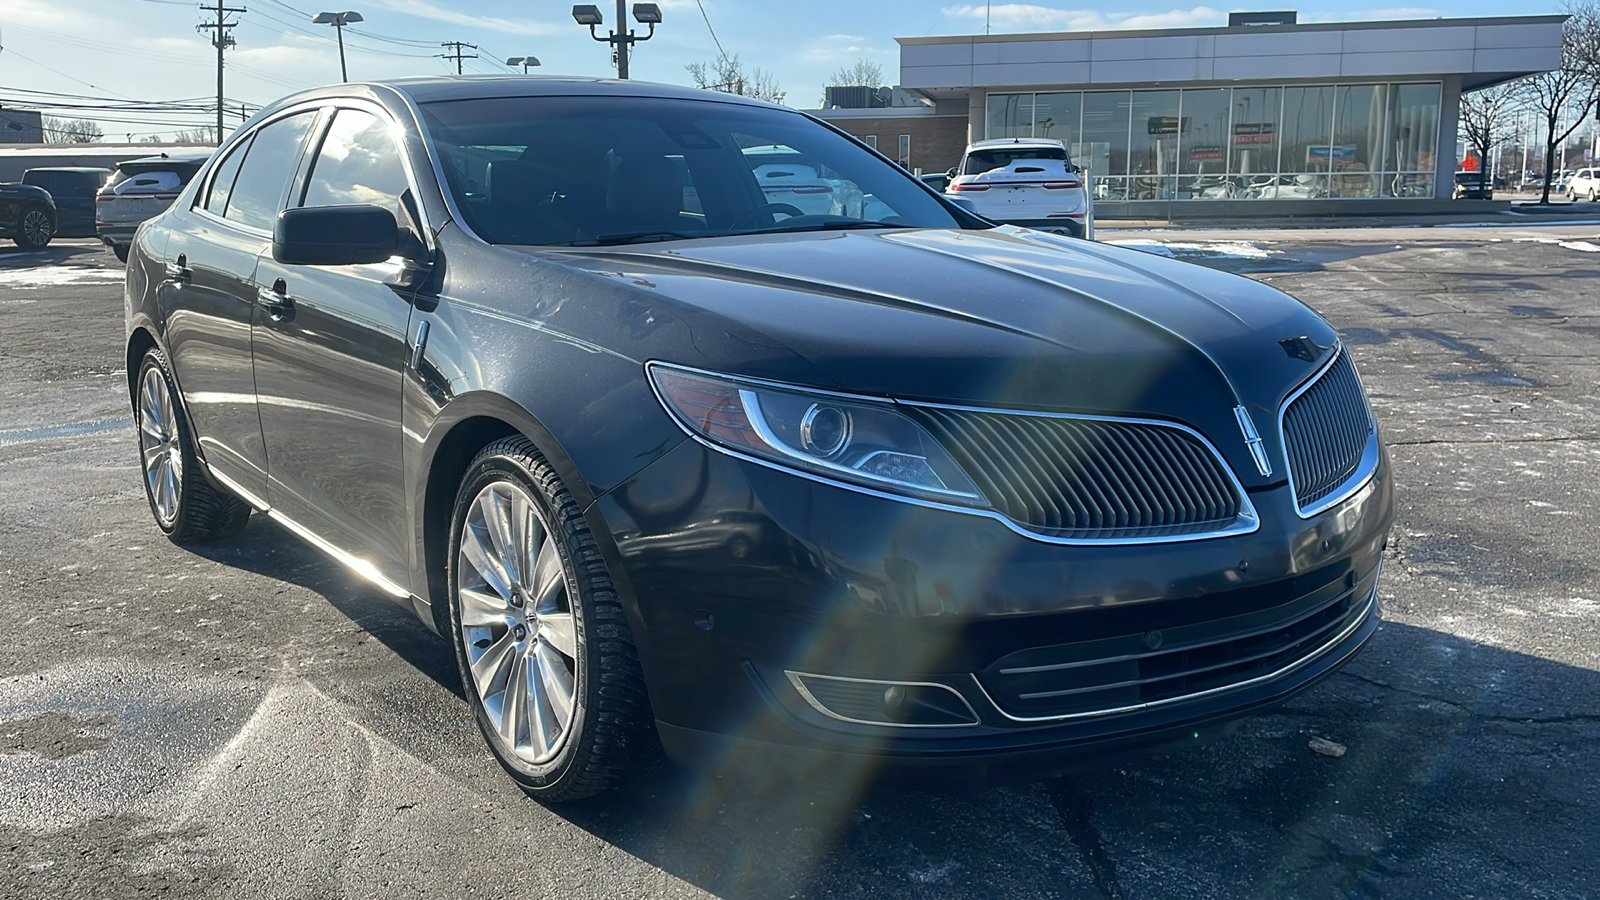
[1024, 181]
[27, 215]
[786, 176]
[73, 189]
[137, 190]
[1586, 184]
[1472, 186]
[919, 490]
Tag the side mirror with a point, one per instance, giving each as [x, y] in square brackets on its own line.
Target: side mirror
[335, 235]
[950, 174]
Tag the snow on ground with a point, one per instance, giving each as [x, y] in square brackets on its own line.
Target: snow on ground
[33, 277]
[1199, 250]
[1585, 246]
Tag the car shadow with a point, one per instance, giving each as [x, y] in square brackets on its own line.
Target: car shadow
[266, 548]
[1464, 766]
[56, 253]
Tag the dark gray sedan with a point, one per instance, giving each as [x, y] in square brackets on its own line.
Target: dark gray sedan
[667, 460]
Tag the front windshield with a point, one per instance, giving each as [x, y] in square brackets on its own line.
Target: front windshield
[981, 161]
[603, 170]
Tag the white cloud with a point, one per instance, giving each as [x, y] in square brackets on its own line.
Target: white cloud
[427, 10]
[1034, 17]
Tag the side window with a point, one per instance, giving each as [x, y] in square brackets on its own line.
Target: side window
[258, 190]
[358, 163]
[216, 200]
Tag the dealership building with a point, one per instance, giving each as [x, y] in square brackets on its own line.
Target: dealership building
[1268, 118]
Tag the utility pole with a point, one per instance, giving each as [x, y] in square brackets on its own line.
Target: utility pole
[222, 40]
[458, 56]
[622, 38]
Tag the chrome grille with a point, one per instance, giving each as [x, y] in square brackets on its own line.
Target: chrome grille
[1326, 431]
[1087, 478]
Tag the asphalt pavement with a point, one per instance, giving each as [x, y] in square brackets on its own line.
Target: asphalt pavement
[248, 720]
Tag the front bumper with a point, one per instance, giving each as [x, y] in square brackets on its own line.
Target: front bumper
[741, 575]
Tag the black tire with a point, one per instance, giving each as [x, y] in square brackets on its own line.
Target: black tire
[611, 730]
[202, 513]
[121, 250]
[1591, 195]
[35, 228]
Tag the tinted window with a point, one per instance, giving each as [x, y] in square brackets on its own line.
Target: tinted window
[358, 163]
[222, 185]
[259, 189]
[980, 161]
[44, 180]
[565, 170]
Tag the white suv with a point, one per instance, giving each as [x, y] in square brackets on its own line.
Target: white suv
[1585, 184]
[138, 190]
[1025, 181]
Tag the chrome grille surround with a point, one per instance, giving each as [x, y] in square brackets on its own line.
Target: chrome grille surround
[1330, 437]
[1085, 479]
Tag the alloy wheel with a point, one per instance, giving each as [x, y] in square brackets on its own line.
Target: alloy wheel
[35, 227]
[159, 447]
[517, 622]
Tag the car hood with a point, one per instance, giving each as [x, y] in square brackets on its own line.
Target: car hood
[1003, 317]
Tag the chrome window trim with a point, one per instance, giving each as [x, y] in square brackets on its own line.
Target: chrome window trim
[795, 680]
[1368, 610]
[1247, 522]
[1365, 468]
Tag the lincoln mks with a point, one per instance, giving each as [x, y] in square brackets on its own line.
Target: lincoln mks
[670, 460]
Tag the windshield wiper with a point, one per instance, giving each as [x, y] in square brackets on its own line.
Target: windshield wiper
[837, 225]
[633, 237]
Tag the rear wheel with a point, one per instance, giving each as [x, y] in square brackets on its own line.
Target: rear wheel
[185, 505]
[35, 228]
[546, 656]
[1591, 195]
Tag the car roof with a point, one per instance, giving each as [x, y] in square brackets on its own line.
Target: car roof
[1021, 143]
[434, 88]
[94, 169]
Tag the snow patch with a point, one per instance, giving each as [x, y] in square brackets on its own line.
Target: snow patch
[1201, 250]
[1585, 246]
[55, 276]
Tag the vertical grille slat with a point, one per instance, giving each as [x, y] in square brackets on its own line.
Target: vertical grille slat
[1087, 478]
[1326, 431]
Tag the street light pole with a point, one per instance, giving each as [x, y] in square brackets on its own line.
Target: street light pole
[525, 62]
[621, 40]
[338, 20]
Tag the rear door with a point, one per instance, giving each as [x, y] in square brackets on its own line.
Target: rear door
[329, 364]
[210, 295]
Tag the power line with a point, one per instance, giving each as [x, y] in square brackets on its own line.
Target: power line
[720, 51]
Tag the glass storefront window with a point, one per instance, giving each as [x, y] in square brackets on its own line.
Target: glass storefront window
[1203, 146]
[1153, 144]
[1105, 133]
[1357, 149]
[1009, 115]
[1057, 115]
[1269, 143]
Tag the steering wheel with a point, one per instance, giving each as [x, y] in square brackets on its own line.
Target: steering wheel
[749, 218]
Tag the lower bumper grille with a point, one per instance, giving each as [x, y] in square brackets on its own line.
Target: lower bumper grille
[1134, 671]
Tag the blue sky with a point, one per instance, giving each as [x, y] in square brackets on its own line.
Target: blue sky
[149, 50]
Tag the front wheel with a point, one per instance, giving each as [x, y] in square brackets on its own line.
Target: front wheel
[35, 228]
[546, 656]
[186, 506]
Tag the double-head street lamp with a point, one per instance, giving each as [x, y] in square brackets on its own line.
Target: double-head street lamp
[526, 62]
[643, 13]
[338, 20]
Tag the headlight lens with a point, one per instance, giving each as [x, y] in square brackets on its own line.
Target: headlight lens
[845, 439]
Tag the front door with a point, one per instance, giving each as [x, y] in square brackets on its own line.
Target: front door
[329, 363]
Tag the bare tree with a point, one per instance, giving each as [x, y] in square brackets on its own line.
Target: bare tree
[861, 73]
[205, 134]
[727, 74]
[71, 131]
[1571, 90]
[1487, 117]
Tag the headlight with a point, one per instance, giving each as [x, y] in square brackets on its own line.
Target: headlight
[842, 438]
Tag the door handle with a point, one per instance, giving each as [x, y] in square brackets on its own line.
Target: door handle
[275, 300]
[179, 270]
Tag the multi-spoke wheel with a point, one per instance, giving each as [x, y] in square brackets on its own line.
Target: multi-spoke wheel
[35, 228]
[184, 503]
[545, 652]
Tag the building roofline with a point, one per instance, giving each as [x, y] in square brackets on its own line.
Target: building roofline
[1478, 21]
